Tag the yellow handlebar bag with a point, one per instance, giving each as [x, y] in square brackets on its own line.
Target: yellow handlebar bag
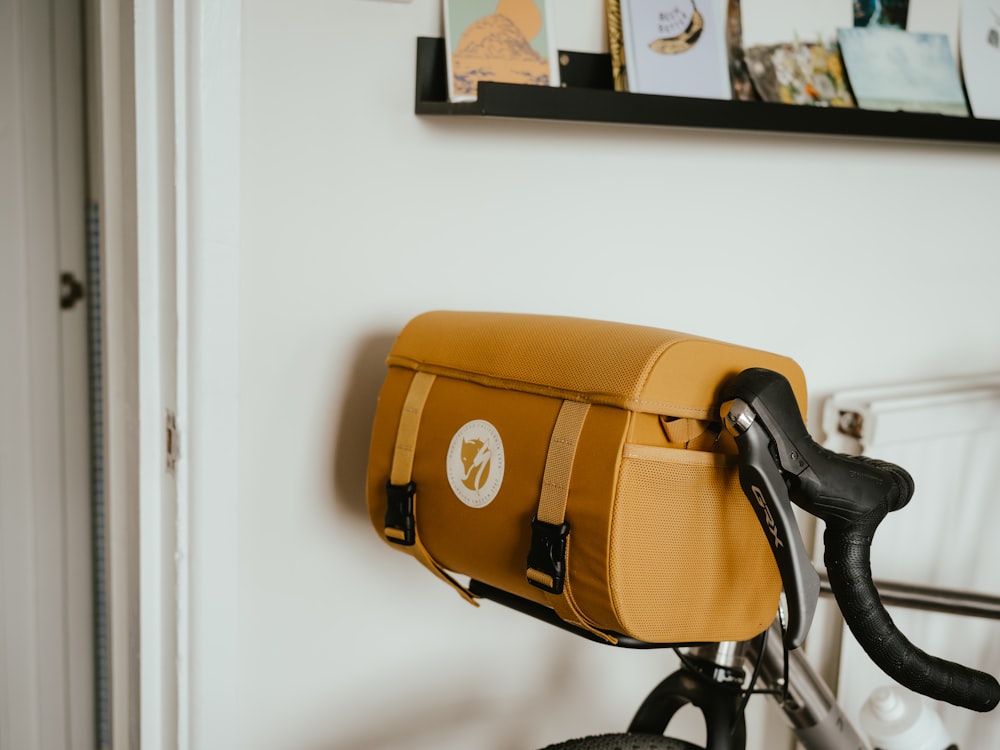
[577, 464]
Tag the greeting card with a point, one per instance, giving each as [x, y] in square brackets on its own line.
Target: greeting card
[509, 41]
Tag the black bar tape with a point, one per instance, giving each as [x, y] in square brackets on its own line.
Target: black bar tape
[848, 561]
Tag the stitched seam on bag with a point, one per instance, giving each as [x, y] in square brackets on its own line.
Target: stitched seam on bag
[574, 605]
[618, 400]
[612, 527]
[654, 406]
[659, 454]
[513, 384]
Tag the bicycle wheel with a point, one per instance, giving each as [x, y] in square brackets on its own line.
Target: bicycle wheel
[624, 742]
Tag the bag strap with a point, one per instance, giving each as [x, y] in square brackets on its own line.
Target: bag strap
[401, 490]
[684, 431]
[550, 534]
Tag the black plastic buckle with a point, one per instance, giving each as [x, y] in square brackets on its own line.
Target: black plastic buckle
[400, 524]
[548, 554]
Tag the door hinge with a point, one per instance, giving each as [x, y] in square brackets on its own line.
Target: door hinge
[173, 441]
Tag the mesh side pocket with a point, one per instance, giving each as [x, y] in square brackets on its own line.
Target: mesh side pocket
[688, 559]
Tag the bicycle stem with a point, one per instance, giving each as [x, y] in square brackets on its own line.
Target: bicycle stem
[809, 706]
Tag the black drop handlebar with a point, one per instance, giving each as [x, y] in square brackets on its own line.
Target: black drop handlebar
[780, 462]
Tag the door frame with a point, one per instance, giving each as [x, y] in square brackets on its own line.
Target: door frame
[163, 145]
[46, 624]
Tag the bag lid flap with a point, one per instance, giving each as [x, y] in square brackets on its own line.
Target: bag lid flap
[627, 366]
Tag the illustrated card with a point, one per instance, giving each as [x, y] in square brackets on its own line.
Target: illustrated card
[509, 41]
[675, 47]
[980, 45]
[810, 74]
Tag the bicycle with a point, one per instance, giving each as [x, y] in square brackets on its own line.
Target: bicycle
[780, 463]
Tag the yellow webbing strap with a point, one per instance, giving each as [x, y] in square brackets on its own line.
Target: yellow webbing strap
[402, 472]
[552, 507]
[409, 426]
[559, 462]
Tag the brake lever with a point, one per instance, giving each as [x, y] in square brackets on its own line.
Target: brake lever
[765, 452]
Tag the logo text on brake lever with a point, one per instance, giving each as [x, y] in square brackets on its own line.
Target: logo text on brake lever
[771, 525]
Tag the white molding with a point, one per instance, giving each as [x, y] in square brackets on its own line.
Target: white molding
[158, 143]
[208, 390]
[165, 123]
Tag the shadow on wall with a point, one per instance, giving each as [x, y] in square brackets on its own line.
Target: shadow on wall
[469, 713]
[354, 428]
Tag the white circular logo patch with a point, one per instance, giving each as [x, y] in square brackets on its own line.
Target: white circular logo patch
[475, 463]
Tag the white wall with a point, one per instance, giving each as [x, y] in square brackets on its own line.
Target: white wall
[867, 261]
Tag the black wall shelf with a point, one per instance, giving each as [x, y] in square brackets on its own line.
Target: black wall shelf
[587, 95]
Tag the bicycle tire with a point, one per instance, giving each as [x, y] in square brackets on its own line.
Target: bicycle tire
[624, 742]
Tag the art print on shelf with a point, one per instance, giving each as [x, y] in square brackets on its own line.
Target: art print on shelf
[616, 46]
[675, 47]
[740, 80]
[508, 41]
[892, 70]
[890, 13]
[810, 74]
[980, 50]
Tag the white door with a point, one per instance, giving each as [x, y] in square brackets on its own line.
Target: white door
[46, 621]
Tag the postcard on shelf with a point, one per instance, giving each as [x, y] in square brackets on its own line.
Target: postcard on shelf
[980, 45]
[892, 70]
[790, 73]
[890, 13]
[508, 41]
[740, 80]
[675, 47]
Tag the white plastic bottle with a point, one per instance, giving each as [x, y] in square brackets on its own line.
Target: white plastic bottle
[896, 719]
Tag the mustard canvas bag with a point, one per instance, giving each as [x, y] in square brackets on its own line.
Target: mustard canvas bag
[576, 464]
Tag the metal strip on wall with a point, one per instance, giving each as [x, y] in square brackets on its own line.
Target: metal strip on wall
[95, 348]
